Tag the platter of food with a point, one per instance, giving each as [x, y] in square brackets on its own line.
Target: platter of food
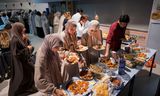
[101, 89]
[95, 69]
[81, 48]
[99, 47]
[78, 88]
[136, 49]
[129, 56]
[141, 57]
[109, 64]
[86, 75]
[72, 58]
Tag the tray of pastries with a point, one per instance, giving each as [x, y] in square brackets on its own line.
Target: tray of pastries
[78, 88]
[101, 89]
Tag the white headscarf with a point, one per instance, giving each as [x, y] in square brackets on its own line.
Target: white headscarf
[93, 23]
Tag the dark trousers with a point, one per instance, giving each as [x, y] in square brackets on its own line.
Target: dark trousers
[40, 32]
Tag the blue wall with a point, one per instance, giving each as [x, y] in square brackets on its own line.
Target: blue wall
[110, 10]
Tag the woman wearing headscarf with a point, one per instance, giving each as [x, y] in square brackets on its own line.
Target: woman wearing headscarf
[22, 81]
[70, 39]
[48, 66]
[91, 38]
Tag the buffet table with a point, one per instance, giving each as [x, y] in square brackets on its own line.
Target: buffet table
[112, 91]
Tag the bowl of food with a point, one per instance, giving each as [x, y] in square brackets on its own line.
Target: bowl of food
[86, 75]
[116, 82]
[72, 58]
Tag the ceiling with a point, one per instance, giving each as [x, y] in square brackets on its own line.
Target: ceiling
[36, 1]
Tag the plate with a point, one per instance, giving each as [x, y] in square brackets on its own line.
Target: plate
[99, 47]
[81, 48]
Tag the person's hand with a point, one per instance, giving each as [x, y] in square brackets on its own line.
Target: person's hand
[72, 43]
[106, 55]
[58, 92]
[29, 47]
[79, 42]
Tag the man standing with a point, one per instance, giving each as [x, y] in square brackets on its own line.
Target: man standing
[116, 34]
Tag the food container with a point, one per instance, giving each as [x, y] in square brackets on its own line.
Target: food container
[127, 49]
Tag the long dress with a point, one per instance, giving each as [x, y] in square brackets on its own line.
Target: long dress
[45, 25]
[39, 28]
[22, 82]
[60, 28]
[56, 24]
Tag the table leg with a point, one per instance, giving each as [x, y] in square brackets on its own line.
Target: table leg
[131, 86]
[150, 72]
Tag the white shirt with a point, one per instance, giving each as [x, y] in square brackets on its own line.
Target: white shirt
[76, 17]
[60, 28]
[38, 22]
[56, 20]
[80, 29]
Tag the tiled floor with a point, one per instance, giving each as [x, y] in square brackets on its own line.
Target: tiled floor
[144, 85]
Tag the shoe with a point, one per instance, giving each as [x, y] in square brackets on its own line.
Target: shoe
[1, 79]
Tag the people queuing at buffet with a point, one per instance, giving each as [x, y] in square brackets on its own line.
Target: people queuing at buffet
[116, 35]
[68, 32]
